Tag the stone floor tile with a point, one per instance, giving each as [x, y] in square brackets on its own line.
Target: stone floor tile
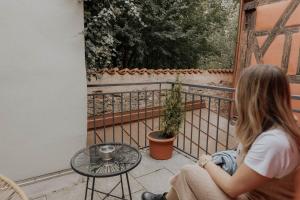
[106, 184]
[147, 165]
[45, 187]
[137, 195]
[70, 193]
[157, 182]
[40, 198]
[176, 162]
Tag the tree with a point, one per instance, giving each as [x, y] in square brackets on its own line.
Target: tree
[156, 33]
[223, 39]
[109, 27]
[176, 33]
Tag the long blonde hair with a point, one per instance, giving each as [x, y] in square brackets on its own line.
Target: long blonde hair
[263, 100]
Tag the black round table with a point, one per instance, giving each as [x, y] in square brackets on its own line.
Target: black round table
[91, 162]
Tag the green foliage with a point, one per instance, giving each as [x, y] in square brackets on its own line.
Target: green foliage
[223, 40]
[109, 27]
[173, 111]
[159, 33]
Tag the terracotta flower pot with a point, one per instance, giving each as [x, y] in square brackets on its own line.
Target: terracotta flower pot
[160, 148]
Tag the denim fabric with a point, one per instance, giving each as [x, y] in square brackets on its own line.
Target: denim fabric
[226, 160]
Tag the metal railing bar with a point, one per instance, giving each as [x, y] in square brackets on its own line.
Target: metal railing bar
[147, 126]
[130, 110]
[218, 119]
[210, 96]
[228, 123]
[205, 86]
[159, 104]
[177, 140]
[94, 117]
[145, 110]
[186, 154]
[113, 116]
[199, 131]
[122, 117]
[193, 126]
[138, 120]
[124, 92]
[142, 148]
[192, 119]
[210, 122]
[195, 143]
[97, 135]
[103, 118]
[184, 124]
[152, 110]
[129, 134]
[208, 119]
[127, 84]
[184, 136]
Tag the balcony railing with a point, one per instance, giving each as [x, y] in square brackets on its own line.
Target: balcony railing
[126, 113]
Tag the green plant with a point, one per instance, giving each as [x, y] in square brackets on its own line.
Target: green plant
[173, 111]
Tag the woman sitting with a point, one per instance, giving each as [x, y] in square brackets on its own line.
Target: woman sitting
[268, 153]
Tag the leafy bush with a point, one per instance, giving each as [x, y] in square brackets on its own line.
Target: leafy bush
[160, 33]
[173, 111]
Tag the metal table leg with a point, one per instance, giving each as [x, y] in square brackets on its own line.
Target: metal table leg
[93, 187]
[86, 187]
[129, 190]
[123, 195]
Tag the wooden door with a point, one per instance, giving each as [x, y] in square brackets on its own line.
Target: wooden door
[269, 33]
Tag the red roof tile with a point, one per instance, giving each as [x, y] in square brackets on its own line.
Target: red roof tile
[112, 71]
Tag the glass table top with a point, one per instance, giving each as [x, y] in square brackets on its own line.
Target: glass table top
[105, 160]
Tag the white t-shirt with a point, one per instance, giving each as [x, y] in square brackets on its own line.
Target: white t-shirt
[274, 154]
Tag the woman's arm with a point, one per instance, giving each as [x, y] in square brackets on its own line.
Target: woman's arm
[244, 179]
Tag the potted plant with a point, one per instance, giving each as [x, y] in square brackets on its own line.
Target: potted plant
[161, 142]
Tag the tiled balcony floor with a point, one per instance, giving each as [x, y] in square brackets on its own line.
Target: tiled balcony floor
[150, 175]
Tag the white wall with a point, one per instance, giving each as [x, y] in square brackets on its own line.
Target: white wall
[42, 86]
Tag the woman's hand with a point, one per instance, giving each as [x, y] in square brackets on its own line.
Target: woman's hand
[203, 160]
